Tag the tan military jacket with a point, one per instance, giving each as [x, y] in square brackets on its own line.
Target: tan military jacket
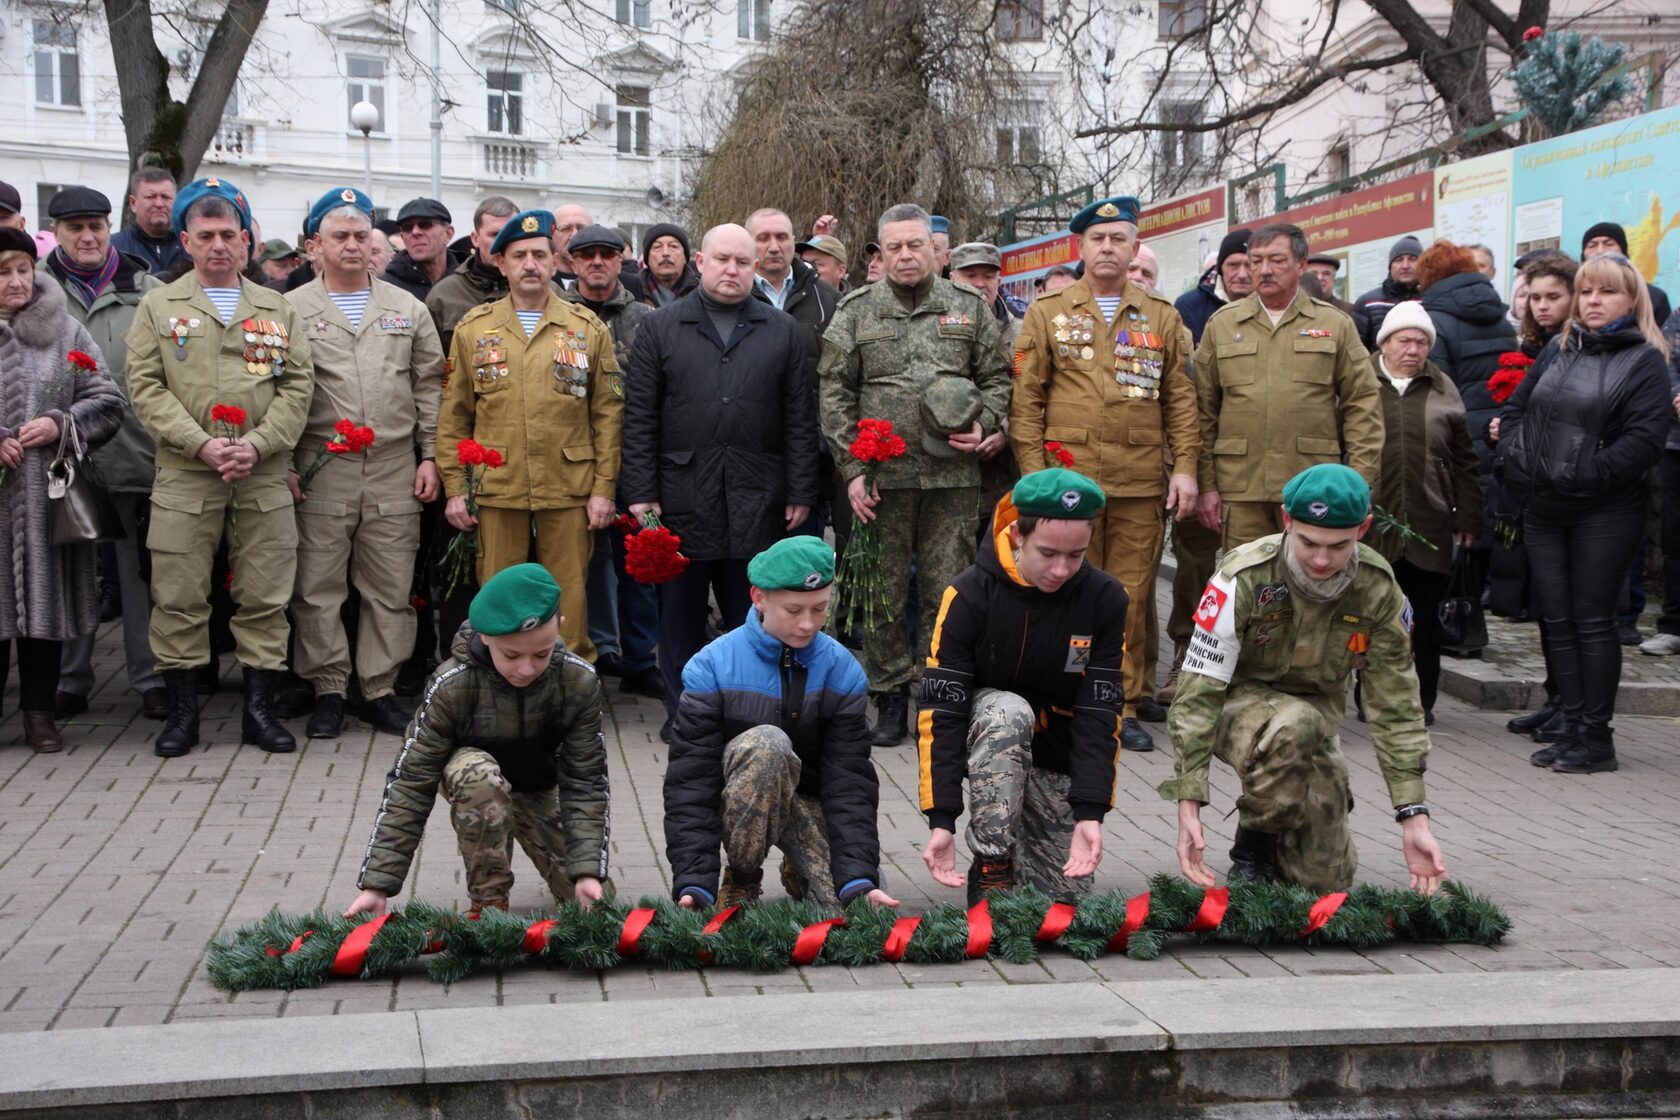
[1115, 395]
[182, 362]
[1277, 400]
[386, 375]
[552, 404]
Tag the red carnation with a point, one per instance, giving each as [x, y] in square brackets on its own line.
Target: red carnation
[1063, 457]
[624, 523]
[876, 442]
[228, 414]
[1532, 34]
[333, 447]
[469, 453]
[654, 555]
[492, 458]
[345, 427]
[1503, 383]
[82, 361]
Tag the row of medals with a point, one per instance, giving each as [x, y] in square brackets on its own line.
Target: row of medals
[1137, 353]
[265, 346]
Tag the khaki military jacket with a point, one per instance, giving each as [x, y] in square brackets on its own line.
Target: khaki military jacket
[1252, 626]
[879, 358]
[1277, 400]
[552, 404]
[387, 374]
[182, 362]
[1116, 395]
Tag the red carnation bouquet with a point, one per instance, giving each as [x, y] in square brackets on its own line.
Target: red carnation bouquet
[860, 594]
[347, 439]
[1513, 367]
[1062, 456]
[652, 554]
[461, 555]
[229, 420]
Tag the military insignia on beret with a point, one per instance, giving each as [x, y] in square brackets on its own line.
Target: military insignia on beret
[1070, 500]
[530, 622]
[529, 225]
[347, 195]
[1319, 510]
[213, 183]
[813, 580]
[1108, 210]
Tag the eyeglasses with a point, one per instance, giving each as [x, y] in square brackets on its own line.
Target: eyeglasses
[593, 253]
[420, 224]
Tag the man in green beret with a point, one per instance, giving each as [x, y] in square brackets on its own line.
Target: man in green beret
[510, 730]
[770, 746]
[1282, 626]
[1022, 694]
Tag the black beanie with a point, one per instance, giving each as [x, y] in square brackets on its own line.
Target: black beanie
[666, 229]
[1605, 229]
[1235, 242]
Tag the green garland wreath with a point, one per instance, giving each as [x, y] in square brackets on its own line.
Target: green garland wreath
[292, 951]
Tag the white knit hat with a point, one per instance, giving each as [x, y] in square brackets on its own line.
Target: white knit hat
[1409, 315]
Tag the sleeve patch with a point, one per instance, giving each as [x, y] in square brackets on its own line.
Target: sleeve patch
[1021, 359]
[1213, 646]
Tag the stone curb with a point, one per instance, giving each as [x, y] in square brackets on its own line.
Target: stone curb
[183, 1062]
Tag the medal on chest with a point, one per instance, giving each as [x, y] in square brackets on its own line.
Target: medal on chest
[1138, 359]
[571, 364]
[266, 343]
[179, 328]
[489, 359]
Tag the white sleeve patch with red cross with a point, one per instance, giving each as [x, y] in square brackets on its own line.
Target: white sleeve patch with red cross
[1213, 641]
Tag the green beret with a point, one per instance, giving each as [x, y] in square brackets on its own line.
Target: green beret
[796, 564]
[1058, 493]
[514, 600]
[1328, 494]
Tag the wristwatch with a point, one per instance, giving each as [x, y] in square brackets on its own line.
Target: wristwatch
[1416, 809]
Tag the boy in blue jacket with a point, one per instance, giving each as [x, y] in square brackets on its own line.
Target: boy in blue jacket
[771, 746]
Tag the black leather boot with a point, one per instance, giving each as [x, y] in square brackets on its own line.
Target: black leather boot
[260, 726]
[892, 719]
[1593, 753]
[1557, 745]
[1552, 730]
[179, 733]
[1254, 856]
[1533, 721]
[327, 720]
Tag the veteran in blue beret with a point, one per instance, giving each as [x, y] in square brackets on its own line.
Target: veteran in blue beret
[1101, 380]
[1285, 623]
[770, 747]
[535, 378]
[940, 226]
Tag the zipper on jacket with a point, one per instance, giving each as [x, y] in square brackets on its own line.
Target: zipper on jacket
[789, 718]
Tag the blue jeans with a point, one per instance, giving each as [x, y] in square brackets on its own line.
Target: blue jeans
[623, 614]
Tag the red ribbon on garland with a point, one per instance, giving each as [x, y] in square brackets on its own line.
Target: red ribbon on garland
[1322, 911]
[898, 941]
[297, 943]
[1137, 912]
[630, 937]
[1057, 919]
[811, 939]
[1212, 911]
[713, 926]
[536, 935]
[979, 929]
[351, 954]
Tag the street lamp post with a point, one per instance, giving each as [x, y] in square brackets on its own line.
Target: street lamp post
[365, 116]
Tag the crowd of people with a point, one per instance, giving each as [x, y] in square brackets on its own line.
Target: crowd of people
[390, 470]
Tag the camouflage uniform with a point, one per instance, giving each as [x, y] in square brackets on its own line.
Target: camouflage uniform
[488, 813]
[1017, 810]
[878, 359]
[762, 806]
[1264, 687]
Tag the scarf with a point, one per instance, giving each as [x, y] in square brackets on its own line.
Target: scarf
[1316, 590]
[86, 283]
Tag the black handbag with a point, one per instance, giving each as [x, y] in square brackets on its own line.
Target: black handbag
[80, 511]
[1463, 625]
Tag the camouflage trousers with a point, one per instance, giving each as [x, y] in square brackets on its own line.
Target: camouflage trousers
[488, 815]
[1294, 781]
[1017, 810]
[762, 806]
[936, 527]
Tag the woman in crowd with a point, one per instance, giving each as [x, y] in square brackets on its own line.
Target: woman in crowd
[1429, 479]
[48, 592]
[1577, 440]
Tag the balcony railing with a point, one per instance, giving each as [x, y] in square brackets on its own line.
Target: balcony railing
[510, 160]
[235, 140]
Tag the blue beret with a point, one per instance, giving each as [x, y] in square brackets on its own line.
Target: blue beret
[940, 223]
[1059, 494]
[332, 200]
[514, 600]
[526, 224]
[1120, 208]
[210, 185]
[1328, 494]
[802, 563]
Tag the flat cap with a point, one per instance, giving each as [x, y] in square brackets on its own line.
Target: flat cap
[78, 202]
[277, 249]
[204, 188]
[1325, 258]
[595, 237]
[332, 200]
[10, 201]
[523, 226]
[949, 405]
[1120, 208]
[972, 253]
[416, 208]
[1058, 493]
[801, 563]
[825, 243]
[514, 600]
[1329, 495]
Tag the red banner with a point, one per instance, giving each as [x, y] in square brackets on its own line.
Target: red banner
[1188, 212]
[1373, 214]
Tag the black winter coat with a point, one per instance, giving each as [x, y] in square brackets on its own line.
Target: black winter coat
[1375, 305]
[721, 435]
[1196, 307]
[1471, 331]
[406, 273]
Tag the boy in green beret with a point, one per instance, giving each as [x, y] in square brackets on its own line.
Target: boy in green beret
[771, 746]
[1022, 695]
[510, 729]
[1282, 626]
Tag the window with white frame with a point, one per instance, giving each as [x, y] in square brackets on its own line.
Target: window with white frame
[635, 120]
[635, 13]
[58, 69]
[1181, 149]
[505, 90]
[752, 19]
[1019, 138]
[364, 81]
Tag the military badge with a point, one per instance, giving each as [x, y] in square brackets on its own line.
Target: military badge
[1315, 332]
[347, 195]
[1079, 654]
[529, 225]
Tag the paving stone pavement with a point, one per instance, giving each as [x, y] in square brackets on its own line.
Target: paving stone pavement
[117, 868]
